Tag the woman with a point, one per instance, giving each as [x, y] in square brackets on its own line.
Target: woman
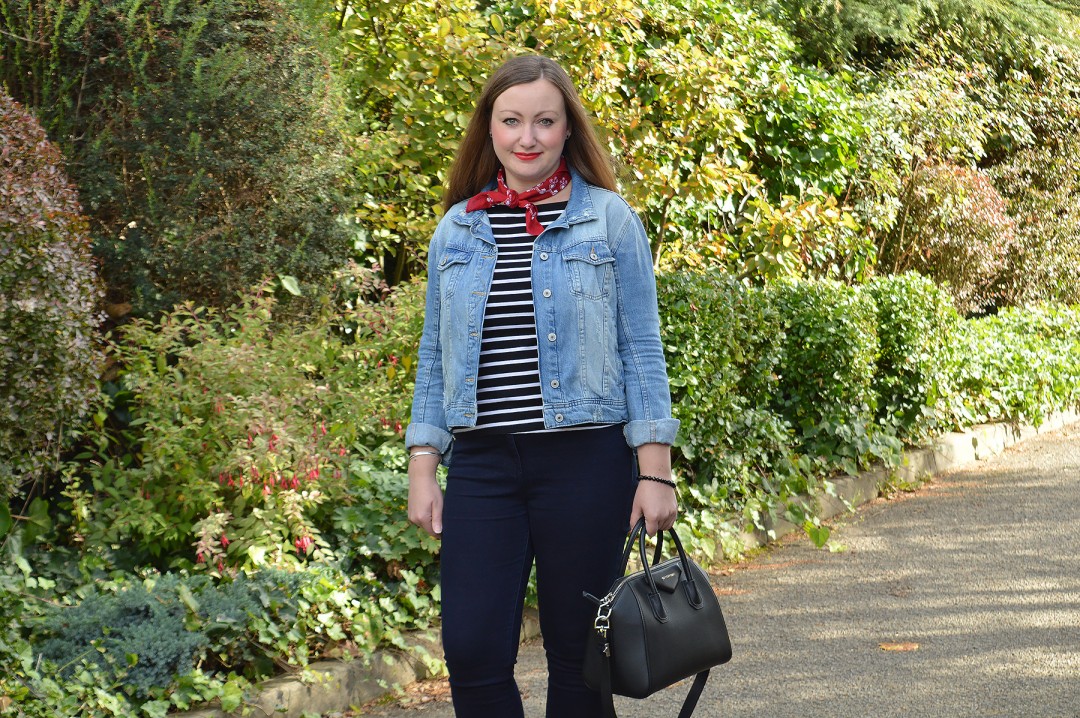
[541, 365]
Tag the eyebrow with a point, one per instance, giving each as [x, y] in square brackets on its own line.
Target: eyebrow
[515, 112]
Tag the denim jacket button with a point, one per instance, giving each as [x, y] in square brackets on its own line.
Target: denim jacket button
[551, 337]
[547, 292]
[543, 255]
[554, 383]
[558, 417]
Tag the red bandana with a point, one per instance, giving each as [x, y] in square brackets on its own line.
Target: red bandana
[504, 195]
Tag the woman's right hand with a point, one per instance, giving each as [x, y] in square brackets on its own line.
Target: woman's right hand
[425, 495]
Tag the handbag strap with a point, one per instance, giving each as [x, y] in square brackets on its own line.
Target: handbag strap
[608, 700]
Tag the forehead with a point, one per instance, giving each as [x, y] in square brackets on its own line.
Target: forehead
[531, 97]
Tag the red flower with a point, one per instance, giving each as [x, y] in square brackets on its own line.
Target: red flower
[224, 541]
[303, 544]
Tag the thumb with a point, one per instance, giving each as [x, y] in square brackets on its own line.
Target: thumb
[436, 518]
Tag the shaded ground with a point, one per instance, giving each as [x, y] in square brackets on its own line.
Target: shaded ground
[961, 599]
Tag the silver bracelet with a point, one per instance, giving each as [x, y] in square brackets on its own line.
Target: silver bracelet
[414, 454]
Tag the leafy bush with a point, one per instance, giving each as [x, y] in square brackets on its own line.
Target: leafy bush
[49, 355]
[1042, 188]
[173, 640]
[954, 229]
[204, 139]
[1019, 365]
[722, 345]
[700, 103]
[232, 439]
[867, 30]
[826, 372]
[916, 328]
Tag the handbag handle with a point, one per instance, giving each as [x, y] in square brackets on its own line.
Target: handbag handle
[690, 587]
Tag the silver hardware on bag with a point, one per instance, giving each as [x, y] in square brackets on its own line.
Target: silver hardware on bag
[602, 622]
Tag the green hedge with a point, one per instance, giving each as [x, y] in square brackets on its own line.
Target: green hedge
[917, 327]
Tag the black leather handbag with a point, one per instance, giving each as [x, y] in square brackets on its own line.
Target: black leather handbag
[655, 628]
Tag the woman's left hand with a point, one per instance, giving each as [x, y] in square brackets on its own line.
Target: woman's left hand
[657, 503]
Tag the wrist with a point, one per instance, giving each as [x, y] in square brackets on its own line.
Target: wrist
[656, 479]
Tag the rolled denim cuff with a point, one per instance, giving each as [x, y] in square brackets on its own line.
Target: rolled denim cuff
[659, 431]
[429, 435]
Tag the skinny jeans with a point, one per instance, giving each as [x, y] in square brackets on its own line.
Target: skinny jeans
[561, 499]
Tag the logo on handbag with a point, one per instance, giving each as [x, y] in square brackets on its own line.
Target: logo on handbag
[655, 628]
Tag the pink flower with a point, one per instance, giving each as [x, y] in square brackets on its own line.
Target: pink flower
[224, 541]
[303, 544]
[199, 558]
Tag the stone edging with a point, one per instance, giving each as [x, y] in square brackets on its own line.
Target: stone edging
[353, 683]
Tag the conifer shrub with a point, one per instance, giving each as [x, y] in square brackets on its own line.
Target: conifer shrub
[49, 356]
[204, 139]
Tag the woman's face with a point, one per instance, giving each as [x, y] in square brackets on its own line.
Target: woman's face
[529, 127]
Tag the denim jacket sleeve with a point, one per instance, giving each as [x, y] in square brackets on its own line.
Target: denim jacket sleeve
[427, 426]
[640, 349]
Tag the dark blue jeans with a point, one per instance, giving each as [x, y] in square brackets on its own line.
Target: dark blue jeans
[562, 499]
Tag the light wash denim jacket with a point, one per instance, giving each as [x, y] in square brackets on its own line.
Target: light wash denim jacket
[601, 360]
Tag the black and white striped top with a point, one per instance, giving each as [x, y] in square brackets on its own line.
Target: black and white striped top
[508, 398]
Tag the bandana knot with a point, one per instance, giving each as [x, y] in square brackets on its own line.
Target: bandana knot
[503, 195]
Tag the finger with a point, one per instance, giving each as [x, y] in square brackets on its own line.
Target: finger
[651, 525]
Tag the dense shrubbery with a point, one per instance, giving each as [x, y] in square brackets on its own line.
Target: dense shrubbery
[205, 139]
[914, 380]
[700, 102]
[49, 350]
[954, 229]
[232, 440]
[1042, 188]
[1020, 365]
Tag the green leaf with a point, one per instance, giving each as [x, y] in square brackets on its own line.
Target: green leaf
[188, 598]
[257, 554]
[291, 285]
[231, 696]
[818, 534]
[5, 519]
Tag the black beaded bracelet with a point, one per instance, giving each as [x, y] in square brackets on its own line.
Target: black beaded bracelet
[657, 479]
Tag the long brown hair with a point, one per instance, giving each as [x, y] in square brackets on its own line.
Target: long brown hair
[476, 165]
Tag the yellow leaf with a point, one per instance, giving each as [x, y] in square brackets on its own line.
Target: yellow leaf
[497, 23]
[899, 647]
[444, 27]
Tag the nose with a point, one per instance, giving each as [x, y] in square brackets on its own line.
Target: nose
[527, 136]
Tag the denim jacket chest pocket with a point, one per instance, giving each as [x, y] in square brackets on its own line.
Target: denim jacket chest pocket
[452, 265]
[590, 269]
